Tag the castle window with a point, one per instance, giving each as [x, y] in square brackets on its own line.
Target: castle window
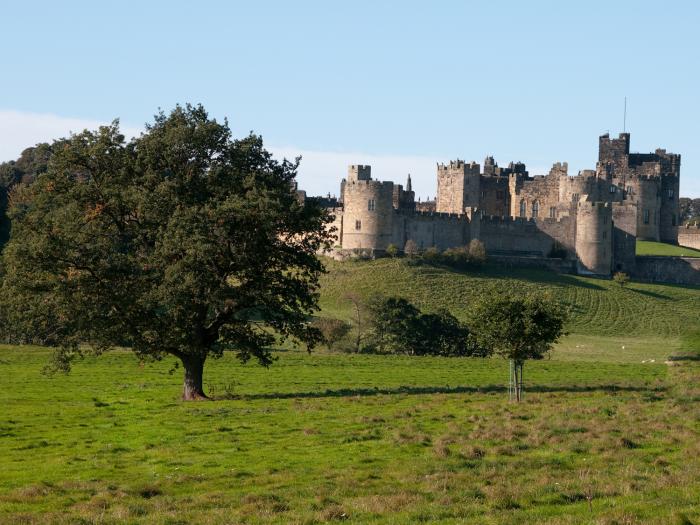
[358, 225]
[605, 235]
[646, 216]
[523, 208]
[629, 189]
[370, 205]
[574, 197]
[552, 213]
[535, 209]
[499, 195]
[670, 194]
[605, 220]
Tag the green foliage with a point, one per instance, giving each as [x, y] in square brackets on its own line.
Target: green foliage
[518, 328]
[182, 242]
[332, 330]
[392, 250]
[462, 257]
[398, 327]
[621, 278]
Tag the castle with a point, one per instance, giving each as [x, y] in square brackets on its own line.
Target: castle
[592, 219]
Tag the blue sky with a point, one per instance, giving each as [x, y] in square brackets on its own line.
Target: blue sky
[400, 85]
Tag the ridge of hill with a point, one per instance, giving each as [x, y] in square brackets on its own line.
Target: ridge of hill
[597, 306]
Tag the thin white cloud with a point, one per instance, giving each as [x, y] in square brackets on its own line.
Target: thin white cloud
[320, 172]
[20, 130]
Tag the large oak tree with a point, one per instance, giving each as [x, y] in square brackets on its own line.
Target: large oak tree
[180, 242]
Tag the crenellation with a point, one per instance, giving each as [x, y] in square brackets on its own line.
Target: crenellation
[592, 218]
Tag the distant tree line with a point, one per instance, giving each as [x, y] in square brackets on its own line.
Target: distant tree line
[689, 210]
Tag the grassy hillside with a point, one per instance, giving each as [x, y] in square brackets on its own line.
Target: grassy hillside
[598, 307]
[374, 439]
[661, 248]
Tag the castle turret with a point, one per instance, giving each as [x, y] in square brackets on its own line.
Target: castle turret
[368, 211]
[594, 237]
[458, 186]
[614, 152]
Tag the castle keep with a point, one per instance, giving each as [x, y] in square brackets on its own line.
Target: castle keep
[592, 219]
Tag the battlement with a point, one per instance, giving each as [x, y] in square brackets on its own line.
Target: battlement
[433, 215]
[457, 165]
[359, 172]
[365, 183]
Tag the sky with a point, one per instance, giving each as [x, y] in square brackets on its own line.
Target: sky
[400, 85]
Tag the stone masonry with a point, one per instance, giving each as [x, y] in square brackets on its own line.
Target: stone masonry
[592, 219]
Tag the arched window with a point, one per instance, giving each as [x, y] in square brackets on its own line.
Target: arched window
[523, 208]
[535, 209]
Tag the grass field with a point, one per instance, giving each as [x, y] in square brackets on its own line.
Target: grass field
[660, 248]
[607, 434]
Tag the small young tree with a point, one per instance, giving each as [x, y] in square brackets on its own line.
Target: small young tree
[359, 315]
[518, 329]
[392, 250]
[332, 330]
[621, 278]
[477, 251]
[411, 248]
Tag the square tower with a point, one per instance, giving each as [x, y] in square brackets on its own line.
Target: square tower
[459, 186]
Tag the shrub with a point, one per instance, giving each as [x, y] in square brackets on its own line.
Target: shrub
[432, 255]
[477, 252]
[399, 327]
[411, 248]
[392, 250]
[621, 278]
[332, 330]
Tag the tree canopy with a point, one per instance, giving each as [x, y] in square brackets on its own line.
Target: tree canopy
[519, 328]
[399, 327]
[181, 242]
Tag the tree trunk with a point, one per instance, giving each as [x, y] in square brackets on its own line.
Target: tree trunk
[518, 381]
[194, 369]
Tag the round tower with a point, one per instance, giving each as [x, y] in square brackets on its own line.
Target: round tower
[368, 214]
[594, 237]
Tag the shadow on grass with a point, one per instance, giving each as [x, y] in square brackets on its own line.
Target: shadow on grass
[496, 270]
[650, 294]
[688, 357]
[421, 390]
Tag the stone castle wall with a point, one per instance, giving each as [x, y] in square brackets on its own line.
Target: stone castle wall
[593, 218]
[689, 236]
[439, 230]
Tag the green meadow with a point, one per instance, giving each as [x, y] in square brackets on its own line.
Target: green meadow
[607, 434]
[660, 248]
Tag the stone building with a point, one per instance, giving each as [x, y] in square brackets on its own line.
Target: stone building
[592, 219]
